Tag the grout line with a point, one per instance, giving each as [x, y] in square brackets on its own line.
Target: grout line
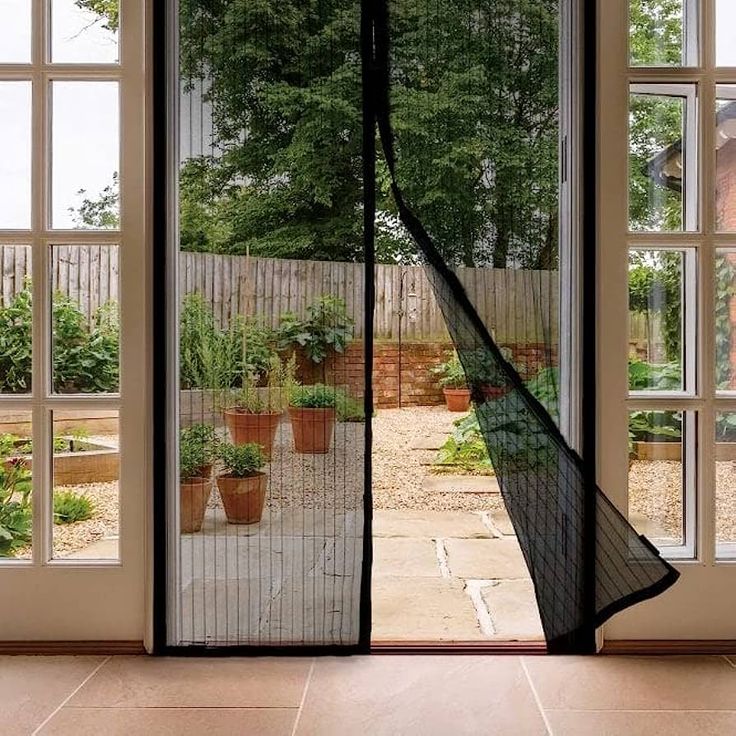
[304, 697]
[72, 694]
[731, 664]
[482, 614]
[442, 558]
[487, 522]
[542, 712]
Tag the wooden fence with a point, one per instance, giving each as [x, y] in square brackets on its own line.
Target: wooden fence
[520, 306]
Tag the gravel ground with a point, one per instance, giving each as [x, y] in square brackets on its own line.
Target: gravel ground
[104, 523]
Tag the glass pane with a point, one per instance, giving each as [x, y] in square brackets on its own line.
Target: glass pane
[15, 31]
[657, 33]
[725, 33]
[726, 483]
[656, 476]
[659, 182]
[86, 155]
[656, 345]
[725, 319]
[16, 484]
[84, 31]
[726, 158]
[15, 154]
[15, 319]
[85, 342]
[86, 494]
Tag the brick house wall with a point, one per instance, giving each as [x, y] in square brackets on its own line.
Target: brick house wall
[414, 362]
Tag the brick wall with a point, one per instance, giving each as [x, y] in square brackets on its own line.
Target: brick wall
[418, 386]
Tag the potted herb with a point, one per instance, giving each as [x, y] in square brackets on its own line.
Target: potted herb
[312, 411]
[484, 372]
[255, 413]
[194, 487]
[242, 486]
[453, 382]
[203, 438]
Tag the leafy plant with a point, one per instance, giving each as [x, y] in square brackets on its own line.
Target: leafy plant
[194, 454]
[652, 376]
[326, 327]
[242, 461]
[465, 448]
[15, 343]
[482, 369]
[317, 396]
[71, 507]
[651, 426]
[349, 409]
[15, 505]
[201, 435]
[281, 377]
[451, 373]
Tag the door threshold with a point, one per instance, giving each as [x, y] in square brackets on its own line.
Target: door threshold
[668, 646]
[459, 647]
[72, 647]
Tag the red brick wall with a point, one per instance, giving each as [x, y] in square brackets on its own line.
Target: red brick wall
[418, 385]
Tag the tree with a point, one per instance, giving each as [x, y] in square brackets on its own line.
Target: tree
[107, 11]
[475, 111]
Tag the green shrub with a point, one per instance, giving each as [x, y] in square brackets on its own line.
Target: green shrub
[281, 381]
[203, 436]
[242, 461]
[465, 448]
[15, 505]
[70, 507]
[193, 456]
[317, 396]
[15, 343]
[450, 373]
[349, 409]
[326, 327]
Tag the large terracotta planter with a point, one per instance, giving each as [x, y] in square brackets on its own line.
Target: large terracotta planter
[457, 399]
[193, 496]
[312, 429]
[243, 498]
[245, 428]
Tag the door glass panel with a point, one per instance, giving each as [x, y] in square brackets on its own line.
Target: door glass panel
[725, 319]
[726, 158]
[657, 484]
[16, 485]
[15, 31]
[725, 33]
[86, 334]
[85, 155]
[15, 154]
[16, 316]
[726, 484]
[86, 471]
[657, 350]
[84, 31]
[661, 34]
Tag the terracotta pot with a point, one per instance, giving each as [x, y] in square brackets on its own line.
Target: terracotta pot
[243, 498]
[193, 496]
[245, 427]
[494, 392]
[312, 429]
[457, 399]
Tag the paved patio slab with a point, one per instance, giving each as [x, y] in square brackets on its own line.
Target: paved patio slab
[485, 559]
[502, 522]
[422, 609]
[430, 442]
[430, 524]
[405, 557]
[513, 610]
[460, 484]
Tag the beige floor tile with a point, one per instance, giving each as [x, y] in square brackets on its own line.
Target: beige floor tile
[641, 723]
[32, 687]
[407, 696]
[405, 557]
[171, 722]
[633, 683]
[142, 682]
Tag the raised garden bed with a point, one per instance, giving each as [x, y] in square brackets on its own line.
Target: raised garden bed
[673, 450]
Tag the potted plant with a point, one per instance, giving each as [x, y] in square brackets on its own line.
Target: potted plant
[453, 382]
[242, 486]
[484, 372]
[204, 438]
[194, 487]
[312, 411]
[255, 412]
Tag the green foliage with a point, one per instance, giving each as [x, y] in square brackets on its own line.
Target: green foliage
[326, 327]
[317, 396]
[198, 446]
[725, 285]
[242, 461]
[656, 32]
[15, 504]
[71, 507]
[102, 213]
[274, 396]
[465, 448]
[481, 367]
[108, 10]
[651, 426]
[349, 409]
[450, 373]
[645, 376]
[86, 351]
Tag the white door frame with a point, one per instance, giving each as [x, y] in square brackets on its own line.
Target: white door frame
[701, 604]
[73, 600]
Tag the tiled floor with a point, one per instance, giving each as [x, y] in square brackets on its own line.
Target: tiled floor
[376, 696]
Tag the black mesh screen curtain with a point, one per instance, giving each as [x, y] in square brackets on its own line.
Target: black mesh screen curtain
[316, 138]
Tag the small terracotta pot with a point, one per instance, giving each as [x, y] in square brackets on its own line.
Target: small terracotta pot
[243, 498]
[193, 496]
[245, 427]
[312, 429]
[457, 399]
[494, 392]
